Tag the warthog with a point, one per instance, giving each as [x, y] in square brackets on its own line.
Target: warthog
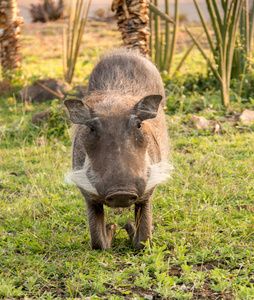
[120, 143]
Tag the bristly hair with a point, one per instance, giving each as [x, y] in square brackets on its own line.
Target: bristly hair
[83, 178]
[159, 173]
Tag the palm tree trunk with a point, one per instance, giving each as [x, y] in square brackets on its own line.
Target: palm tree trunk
[132, 19]
[9, 32]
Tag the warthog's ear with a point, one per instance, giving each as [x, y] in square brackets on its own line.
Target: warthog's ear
[147, 107]
[79, 112]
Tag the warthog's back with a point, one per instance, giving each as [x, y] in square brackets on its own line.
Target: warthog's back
[127, 72]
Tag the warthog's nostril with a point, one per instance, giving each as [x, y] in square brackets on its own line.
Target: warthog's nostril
[121, 199]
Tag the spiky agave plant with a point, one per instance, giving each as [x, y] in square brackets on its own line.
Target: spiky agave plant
[224, 26]
[244, 45]
[163, 40]
[162, 44]
[72, 37]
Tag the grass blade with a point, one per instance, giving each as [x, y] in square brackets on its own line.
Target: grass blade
[186, 54]
[209, 38]
[167, 35]
[64, 45]
[173, 43]
[217, 12]
[232, 36]
[76, 26]
[152, 7]
[216, 73]
[215, 22]
[251, 26]
[151, 16]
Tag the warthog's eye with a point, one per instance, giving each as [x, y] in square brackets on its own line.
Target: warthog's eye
[139, 133]
[139, 124]
[93, 128]
[93, 131]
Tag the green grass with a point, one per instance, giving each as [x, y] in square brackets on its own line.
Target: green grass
[203, 217]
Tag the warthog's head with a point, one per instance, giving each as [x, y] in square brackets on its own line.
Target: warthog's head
[115, 137]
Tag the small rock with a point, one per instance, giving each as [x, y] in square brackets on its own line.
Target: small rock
[40, 117]
[247, 117]
[200, 122]
[203, 123]
[41, 141]
[216, 127]
[46, 89]
[149, 297]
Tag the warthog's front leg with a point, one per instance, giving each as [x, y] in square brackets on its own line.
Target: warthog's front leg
[101, 235]
[141, 231]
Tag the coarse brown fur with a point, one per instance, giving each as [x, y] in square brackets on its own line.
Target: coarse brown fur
[120, 141]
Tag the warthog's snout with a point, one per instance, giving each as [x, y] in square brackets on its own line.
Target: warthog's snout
[121, 199]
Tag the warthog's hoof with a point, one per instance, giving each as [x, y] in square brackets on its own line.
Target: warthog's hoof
[130, 228]
[110, 230]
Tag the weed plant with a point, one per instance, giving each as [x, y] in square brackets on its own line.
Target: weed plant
[194, 92]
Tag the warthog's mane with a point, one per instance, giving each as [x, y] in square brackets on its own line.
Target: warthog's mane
[130, 73]
[107, 102]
